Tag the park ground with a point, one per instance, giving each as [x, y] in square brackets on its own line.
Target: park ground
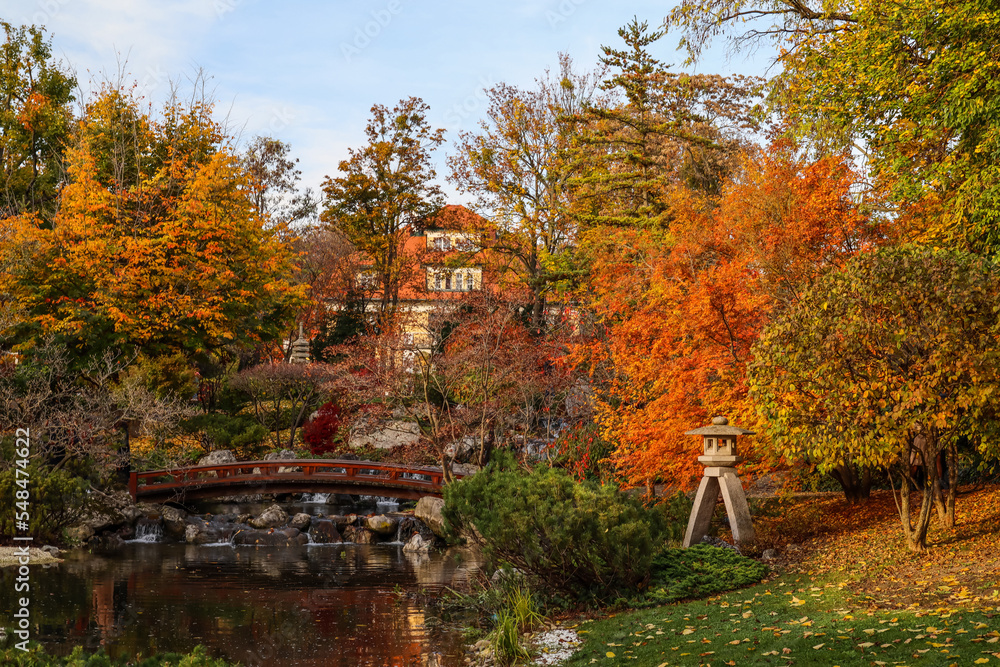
[847, 593]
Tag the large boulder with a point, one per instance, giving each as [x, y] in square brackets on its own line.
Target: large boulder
[216, 457]
[324, 531]
[382, 525]
[272, 517]
[395, 434]
[301, 521]
[174, 522]
[430, 510]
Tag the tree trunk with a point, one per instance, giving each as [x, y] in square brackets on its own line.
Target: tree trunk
[855, 490]
[915, 532]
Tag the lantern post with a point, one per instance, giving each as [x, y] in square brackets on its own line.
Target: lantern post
[720, 459]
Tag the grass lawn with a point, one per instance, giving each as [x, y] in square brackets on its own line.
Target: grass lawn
[850, 594]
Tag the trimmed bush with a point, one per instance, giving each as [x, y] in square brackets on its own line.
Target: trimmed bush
[697, 572]
[580, 539]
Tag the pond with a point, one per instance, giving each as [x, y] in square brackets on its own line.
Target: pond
[333, 605]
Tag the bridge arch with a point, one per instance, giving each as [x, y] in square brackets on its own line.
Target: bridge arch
[290, 476]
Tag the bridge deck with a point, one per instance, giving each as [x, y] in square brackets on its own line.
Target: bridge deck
[291, 476]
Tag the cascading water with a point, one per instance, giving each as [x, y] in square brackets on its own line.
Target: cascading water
[147, 532]
[315, 498]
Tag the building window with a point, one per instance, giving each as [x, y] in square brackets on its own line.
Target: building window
[437, 281]
[442, 243]
[447, 281]
[468, 281]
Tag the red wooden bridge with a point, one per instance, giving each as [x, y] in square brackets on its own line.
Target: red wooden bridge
[288, 476]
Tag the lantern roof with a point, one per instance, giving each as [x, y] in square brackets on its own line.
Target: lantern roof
[719, 426]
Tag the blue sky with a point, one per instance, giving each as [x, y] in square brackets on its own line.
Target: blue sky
[307, 72]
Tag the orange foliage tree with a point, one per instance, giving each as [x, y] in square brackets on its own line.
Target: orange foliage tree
[156, 246]
[678, 311]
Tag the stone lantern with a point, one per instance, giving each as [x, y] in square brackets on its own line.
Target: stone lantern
[720, 459]
[300, 349]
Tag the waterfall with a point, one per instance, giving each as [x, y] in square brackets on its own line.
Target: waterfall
[147, 532]
[315, 498]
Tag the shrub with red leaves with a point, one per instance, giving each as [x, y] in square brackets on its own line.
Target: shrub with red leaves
[321, 433]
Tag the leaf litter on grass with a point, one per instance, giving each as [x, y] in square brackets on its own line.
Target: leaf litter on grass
[852, 596]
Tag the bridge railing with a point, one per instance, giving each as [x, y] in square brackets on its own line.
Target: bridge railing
[361, 473]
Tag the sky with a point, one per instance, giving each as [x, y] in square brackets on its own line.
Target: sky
[307, 72]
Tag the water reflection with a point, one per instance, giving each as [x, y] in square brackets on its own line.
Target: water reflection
[343, 605]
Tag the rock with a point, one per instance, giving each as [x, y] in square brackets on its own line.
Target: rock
[358, 535]
[101, 521]
[51, 550]
[417, 544]
[395, 434]
[244, 518]
[301, 521]
[191, 533]
[173, 522]
[284, 455]
[465, 469]
[79, 534]
[216, 457]
[722, 544]
[429, 510]
[461, 450]
[382, 525]
[410, 526]
[272, 517]
[344, 521]
[769, 554]
[260, 538]
[324, 531]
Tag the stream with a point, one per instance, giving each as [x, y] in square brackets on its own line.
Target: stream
[333, 605]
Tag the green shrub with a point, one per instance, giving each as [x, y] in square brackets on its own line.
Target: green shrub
[698, 572]
[56, 499]
[240, 433]
[580, 539]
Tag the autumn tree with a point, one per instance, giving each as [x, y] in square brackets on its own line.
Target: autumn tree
[516, 165]
[890, 360]
[35, 120]
[913, 84]
[155, 246]
[273, 179]
[385, 189]
[675, 323]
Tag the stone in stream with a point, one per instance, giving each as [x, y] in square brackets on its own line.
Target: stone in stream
[417, 544]
[272, 517]
[430, 510]
[324, 531]
[358, 535]
[344, 521]
[269, 538]
[301, 521]
[382, 525]
[174, 524]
